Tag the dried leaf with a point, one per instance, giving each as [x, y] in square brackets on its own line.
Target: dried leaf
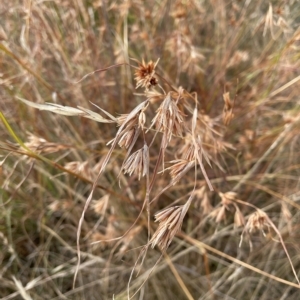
[67, 110]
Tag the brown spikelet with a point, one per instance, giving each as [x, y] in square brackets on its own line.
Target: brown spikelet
[227, 198]
[257, 221]
[239, 219]
[144, 75]
[41, 145]
[180, 167]
[169, 119]
[206, 205]
[62, 205]
[170, 221]
[127, 138]
[138, 162]
[228, 109]
[202, 198]
[219, 213]
[100, 206]
[130, 126]
[81, 168]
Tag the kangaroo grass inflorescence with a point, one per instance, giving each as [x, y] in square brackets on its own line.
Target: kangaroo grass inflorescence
[176, 117]
[175, 176]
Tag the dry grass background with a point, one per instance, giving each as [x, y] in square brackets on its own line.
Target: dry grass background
[250, 49]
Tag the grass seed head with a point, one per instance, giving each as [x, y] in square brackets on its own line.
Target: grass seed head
[100, 206]
[138, 163]
[239, 219]
[41, 145]
[169, 119]
[169, 225]
[228, 109]
[257, 221]
[81, 168]
[170, 221]
[144, 75]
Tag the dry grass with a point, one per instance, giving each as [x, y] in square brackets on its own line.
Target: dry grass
[179, 113]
